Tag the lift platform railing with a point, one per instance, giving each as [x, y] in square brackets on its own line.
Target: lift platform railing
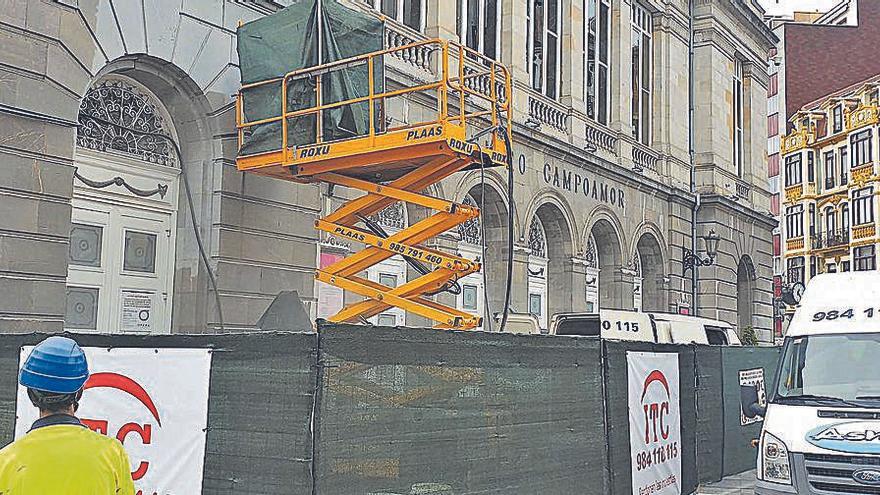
[464, 99]
[468, 90]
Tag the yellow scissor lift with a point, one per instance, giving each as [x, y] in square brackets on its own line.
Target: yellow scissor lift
[467, 128]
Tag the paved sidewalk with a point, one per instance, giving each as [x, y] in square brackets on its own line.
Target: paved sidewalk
[740, 484]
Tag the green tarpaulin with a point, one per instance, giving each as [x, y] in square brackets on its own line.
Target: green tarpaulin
[306, 34]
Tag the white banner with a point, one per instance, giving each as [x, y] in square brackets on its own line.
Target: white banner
[155, 401]
[654, 423]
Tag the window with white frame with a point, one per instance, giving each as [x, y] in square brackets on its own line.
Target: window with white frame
[844, 217]
[830, 220]
[837, 119]
[793, 170]
[477, 25]
[863, 206]
[597, 46]
[794, 221]
[844, 165]
[641, 73]
[542, 56]
[738, 116]
[861, 148]
[830, 170]
[408, 12]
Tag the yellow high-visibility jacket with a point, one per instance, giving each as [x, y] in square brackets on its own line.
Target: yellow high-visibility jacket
[61, 457]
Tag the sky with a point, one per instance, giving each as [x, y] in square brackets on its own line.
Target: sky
[780, 7]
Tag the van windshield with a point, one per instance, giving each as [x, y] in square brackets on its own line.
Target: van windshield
[834, 370]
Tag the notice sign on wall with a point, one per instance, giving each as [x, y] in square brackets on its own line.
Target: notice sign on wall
[155, 401]
[654, 423]
[137, 312]
[751, 387]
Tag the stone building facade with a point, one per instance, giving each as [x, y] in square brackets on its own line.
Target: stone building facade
[95, 226]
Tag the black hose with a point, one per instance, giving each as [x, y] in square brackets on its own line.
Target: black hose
[509, 282]
[507, 293]
[189, 199]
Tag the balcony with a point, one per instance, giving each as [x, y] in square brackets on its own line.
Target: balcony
[795, 244]
[862, 173]
[543, 110]
[864, 231]
[831, 240]
[644, 158]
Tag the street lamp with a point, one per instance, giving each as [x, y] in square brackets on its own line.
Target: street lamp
[690, 259]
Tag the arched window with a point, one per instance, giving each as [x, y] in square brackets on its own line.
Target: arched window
[592, 276]
[470, 231]
[113, 117]
[537, 238]
[830, 220]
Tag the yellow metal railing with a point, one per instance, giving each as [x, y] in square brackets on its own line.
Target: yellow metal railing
[479, 86]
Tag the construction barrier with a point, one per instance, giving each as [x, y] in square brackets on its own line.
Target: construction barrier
[401, 411]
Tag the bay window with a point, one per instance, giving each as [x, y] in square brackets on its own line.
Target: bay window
[864, 258]
[794, 222]
[641, 73]
[597, 44]
[837, 119]
[795, 269]
[542, 56]
[861, 148]
[863, 206]
[477, 25]
[830, 170]
[793, 170]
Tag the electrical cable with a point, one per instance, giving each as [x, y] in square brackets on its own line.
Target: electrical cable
[510, 186]
[192, 210]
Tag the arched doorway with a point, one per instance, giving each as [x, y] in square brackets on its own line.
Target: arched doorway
[613, 290]
[121, 258]
[556, 255]
[745, 293]
[650, 259]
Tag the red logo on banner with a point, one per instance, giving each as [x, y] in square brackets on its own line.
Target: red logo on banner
[144, 431]
[656, 411]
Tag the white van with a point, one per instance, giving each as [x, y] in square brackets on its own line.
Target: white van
[821, 431]
[661, 328]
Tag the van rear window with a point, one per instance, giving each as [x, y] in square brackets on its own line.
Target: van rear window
[716, 335]
[586, 327]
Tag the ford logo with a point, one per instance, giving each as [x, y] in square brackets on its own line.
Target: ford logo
[867, 477]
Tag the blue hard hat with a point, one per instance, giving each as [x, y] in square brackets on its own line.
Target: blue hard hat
[56, 365]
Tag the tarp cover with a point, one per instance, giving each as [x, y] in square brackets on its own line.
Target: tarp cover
[290, 40]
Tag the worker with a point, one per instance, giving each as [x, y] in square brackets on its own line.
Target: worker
[59, 455]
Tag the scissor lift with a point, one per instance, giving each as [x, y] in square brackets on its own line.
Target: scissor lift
[469, 129]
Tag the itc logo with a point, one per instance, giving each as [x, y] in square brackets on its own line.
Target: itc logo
[656, 410]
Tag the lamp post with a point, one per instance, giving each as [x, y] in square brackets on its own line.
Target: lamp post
[691, 260]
